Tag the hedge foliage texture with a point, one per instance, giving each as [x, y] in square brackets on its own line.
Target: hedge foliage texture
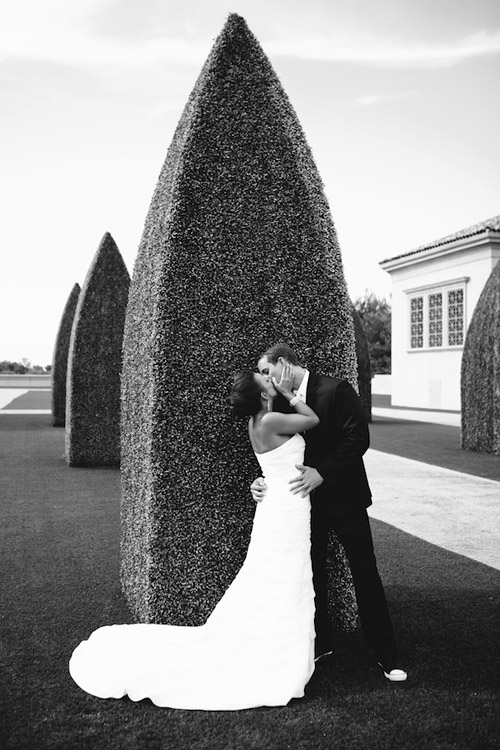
[364, 366]
[480, 376]
[238, 252]
[60, 359]
[94, 364]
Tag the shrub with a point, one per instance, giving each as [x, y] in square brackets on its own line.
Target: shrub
[60, 359]
[480, 372]
[364, 367]
[238, 251]
[13, 367]
[94, 363]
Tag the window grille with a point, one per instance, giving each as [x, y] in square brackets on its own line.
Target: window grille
[417, 322]
[436, 319]
[456, 317]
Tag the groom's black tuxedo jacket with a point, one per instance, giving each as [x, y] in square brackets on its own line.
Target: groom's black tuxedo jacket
[336, 447]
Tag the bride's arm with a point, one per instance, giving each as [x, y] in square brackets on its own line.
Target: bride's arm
[289, 424]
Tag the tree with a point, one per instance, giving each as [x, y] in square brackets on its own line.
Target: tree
[364, 366]
[480, 372]
[23, 368]
[13, 367]
[239, 251]
[60, 359]
[375, 314]
[94, 363]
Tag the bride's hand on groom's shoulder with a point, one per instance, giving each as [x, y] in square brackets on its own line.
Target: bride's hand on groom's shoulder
[258, 488]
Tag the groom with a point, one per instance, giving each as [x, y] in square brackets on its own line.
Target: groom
[334, 474]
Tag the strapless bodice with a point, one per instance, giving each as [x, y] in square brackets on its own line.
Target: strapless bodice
[279, 463]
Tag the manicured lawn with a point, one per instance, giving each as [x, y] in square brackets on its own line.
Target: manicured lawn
[60, 562]
[433, 444]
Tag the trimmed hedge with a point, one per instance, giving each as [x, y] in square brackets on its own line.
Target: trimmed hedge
[238, 251]
[94, 364]
[60, 359]
[480, 372]
[364, 366]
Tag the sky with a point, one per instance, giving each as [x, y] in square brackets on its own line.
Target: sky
[399, 101]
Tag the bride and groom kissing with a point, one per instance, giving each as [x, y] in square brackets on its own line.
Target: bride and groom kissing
[260, 644]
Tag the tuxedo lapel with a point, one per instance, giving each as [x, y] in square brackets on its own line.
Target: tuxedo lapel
[312, 387]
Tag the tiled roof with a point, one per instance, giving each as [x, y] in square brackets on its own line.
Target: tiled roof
[490, 224]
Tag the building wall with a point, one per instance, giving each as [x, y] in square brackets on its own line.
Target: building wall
[381, 385]
[430, 378]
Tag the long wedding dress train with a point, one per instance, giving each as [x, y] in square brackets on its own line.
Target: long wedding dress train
[257, 646]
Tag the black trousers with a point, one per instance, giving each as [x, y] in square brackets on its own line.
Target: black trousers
[355, 536]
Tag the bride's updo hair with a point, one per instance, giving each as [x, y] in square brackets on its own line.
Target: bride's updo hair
[244, 398]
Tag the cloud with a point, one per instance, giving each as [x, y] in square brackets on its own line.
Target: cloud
[366, 49]
[102, 33]
[370, 100]
[62, 32]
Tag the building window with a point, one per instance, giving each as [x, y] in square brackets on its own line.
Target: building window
[437, 317]
[417, 322]
[456, 317]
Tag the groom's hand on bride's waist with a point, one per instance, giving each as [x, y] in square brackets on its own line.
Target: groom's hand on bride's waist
[306, 482]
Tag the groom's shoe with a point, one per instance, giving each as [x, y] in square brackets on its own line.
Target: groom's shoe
[393, 674]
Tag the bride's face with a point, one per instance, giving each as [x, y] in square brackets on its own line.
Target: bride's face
[265, 385]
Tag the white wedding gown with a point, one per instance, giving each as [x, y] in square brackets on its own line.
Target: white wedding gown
[257, 646]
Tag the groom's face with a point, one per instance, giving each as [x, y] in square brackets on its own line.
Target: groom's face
[269, 369]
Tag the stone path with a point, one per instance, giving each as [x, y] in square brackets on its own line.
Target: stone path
[9, 394]
[456, 511]
[25, 401]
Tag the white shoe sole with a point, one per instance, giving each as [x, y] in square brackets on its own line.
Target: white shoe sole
[322, 656]
[397, 675]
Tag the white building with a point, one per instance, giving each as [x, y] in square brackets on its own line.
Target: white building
[435, 289]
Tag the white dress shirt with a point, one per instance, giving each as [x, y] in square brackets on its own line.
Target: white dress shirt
[301, 391]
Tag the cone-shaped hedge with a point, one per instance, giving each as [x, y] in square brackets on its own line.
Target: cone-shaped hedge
[60, 359]
[480, 375]
[238, 251]
[94, 364]
[364, 366]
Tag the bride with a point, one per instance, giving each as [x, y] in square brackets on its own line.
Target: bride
[257, 646]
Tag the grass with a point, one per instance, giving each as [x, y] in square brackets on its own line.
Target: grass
[434, 444]
[60, 579]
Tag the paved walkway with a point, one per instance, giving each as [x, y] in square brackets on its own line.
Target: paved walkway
[25, 401]
[454, 510]
[9, 394]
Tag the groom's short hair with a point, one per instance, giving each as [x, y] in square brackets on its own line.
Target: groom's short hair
[281, 350]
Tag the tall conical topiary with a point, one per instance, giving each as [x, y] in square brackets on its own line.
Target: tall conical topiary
[480, 374]
[60, 359]
[364, 366]
[94, 364]
[238, 251]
